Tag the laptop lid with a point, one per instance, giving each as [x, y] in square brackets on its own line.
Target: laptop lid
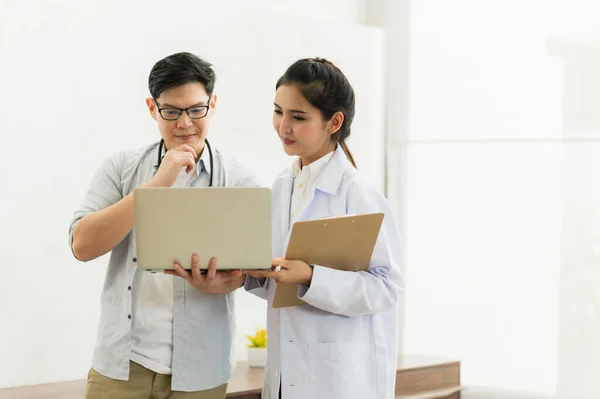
[230, 224]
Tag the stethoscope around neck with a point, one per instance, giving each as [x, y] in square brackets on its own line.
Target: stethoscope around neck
[210, 154]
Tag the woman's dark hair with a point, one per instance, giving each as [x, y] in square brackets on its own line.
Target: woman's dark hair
[179, 69]
[325, 87]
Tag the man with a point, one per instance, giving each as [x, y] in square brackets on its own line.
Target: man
[160, 336]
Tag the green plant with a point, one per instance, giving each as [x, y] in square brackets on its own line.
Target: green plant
[259, 340]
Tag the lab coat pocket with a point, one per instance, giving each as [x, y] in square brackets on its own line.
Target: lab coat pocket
[341, 370]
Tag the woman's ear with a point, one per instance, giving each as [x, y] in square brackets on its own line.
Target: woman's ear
[335, 123]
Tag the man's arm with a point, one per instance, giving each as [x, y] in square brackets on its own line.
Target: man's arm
[104, 194]
[100, 231]
[106, 216]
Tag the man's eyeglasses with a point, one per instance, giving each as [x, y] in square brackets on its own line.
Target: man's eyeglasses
[172, 114]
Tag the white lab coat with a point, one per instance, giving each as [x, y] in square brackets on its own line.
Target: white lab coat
[342, 344]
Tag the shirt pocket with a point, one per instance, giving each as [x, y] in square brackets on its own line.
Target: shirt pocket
[344, 370]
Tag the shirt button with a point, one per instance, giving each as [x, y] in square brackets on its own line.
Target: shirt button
[134, 260]
[129, 317]
[129, 288]
[276, 373]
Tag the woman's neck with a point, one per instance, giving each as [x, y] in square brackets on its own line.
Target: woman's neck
[305, 161]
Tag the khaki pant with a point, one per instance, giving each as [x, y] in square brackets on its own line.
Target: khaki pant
[143, 384]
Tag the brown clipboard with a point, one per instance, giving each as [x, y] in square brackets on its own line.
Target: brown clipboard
[343, 243]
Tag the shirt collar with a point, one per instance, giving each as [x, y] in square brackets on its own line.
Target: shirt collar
[331, 176]
[204, 160]
[314, 168]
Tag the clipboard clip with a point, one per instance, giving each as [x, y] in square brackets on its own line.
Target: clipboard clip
[335, 217]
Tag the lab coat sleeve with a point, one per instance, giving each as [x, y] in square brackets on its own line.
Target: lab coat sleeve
[366, 292]
[254, 286]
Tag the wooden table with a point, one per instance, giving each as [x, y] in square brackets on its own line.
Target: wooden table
[418, 377]
[422, 377]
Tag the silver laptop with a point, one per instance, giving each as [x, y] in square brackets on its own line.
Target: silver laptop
[230, 224]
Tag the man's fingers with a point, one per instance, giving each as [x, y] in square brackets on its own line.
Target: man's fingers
[190, 165]
[186, 148]
[182, 157]
[190, 150]
[181, 272]
[185, 160]
[196, 267]
[212, 269]
[229, 274]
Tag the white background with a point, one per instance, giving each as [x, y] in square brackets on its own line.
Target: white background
[501, 191]
[492, 125]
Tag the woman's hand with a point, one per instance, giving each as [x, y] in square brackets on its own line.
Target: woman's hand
[286, 271]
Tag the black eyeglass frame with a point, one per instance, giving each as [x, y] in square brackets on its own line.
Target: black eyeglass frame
[182, 110]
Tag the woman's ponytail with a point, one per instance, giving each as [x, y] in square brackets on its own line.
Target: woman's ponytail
[348, 153]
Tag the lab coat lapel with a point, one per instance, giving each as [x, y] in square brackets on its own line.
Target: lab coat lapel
[285, 200]
[328, 181]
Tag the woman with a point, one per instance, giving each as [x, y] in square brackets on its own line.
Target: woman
[342, 343]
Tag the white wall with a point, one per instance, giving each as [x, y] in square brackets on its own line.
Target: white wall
[501, 180]
[394, 16]
[66, 65]
[576, 40]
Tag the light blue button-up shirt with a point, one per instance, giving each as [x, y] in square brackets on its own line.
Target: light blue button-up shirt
[203, 324]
